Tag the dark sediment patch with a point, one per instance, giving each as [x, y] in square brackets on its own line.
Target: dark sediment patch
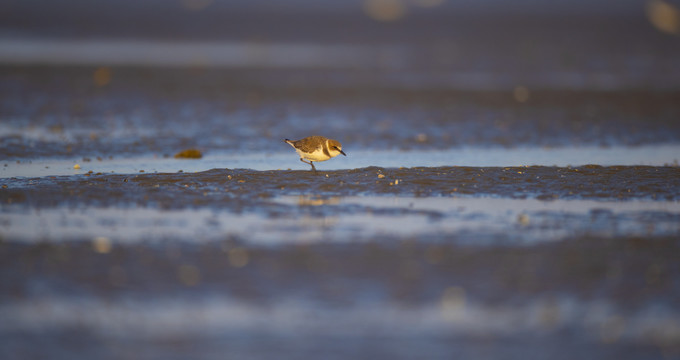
[239, 189]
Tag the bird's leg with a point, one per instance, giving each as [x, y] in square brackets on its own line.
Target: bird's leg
[310, 163]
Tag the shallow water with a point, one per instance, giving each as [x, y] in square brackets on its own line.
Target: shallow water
[649, 155]
[476, 221]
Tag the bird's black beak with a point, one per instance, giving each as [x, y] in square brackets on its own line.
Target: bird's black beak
[343, 153]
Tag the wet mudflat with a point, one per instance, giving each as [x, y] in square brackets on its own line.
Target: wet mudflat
[603, 297]
[161, 111]
[556, 234]
[386, 261]
[216, 187]
[511, 189]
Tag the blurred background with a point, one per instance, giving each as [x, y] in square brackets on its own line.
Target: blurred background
[155, 76]
[451, 43]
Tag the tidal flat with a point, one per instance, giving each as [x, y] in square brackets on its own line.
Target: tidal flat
[511, 188]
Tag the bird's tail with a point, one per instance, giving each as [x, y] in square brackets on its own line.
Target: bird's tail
[288, 142]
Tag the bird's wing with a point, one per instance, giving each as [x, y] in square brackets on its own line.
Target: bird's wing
[309, 144]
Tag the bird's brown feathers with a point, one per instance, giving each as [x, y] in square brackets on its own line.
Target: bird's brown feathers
[309, 144]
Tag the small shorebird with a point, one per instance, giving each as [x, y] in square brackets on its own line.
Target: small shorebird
[316, 148]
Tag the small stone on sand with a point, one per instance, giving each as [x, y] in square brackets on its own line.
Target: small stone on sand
[189, 154]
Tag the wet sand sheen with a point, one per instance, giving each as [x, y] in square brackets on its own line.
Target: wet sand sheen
[304, 219]
[590, 293]
[647, 155]
[465, 205]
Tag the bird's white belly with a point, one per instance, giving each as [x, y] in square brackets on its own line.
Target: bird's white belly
[317, 155]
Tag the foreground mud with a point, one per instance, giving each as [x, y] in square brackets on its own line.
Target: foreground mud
[229, 189]
[606, 298]
[444, 260]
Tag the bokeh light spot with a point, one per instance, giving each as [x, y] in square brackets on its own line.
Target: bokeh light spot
[385, 10]
[421, 138]
[453, 302]
[523, 219]
[101, 245]
[102, 76]
[664, 16]
[238, 257]
[521, 94]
